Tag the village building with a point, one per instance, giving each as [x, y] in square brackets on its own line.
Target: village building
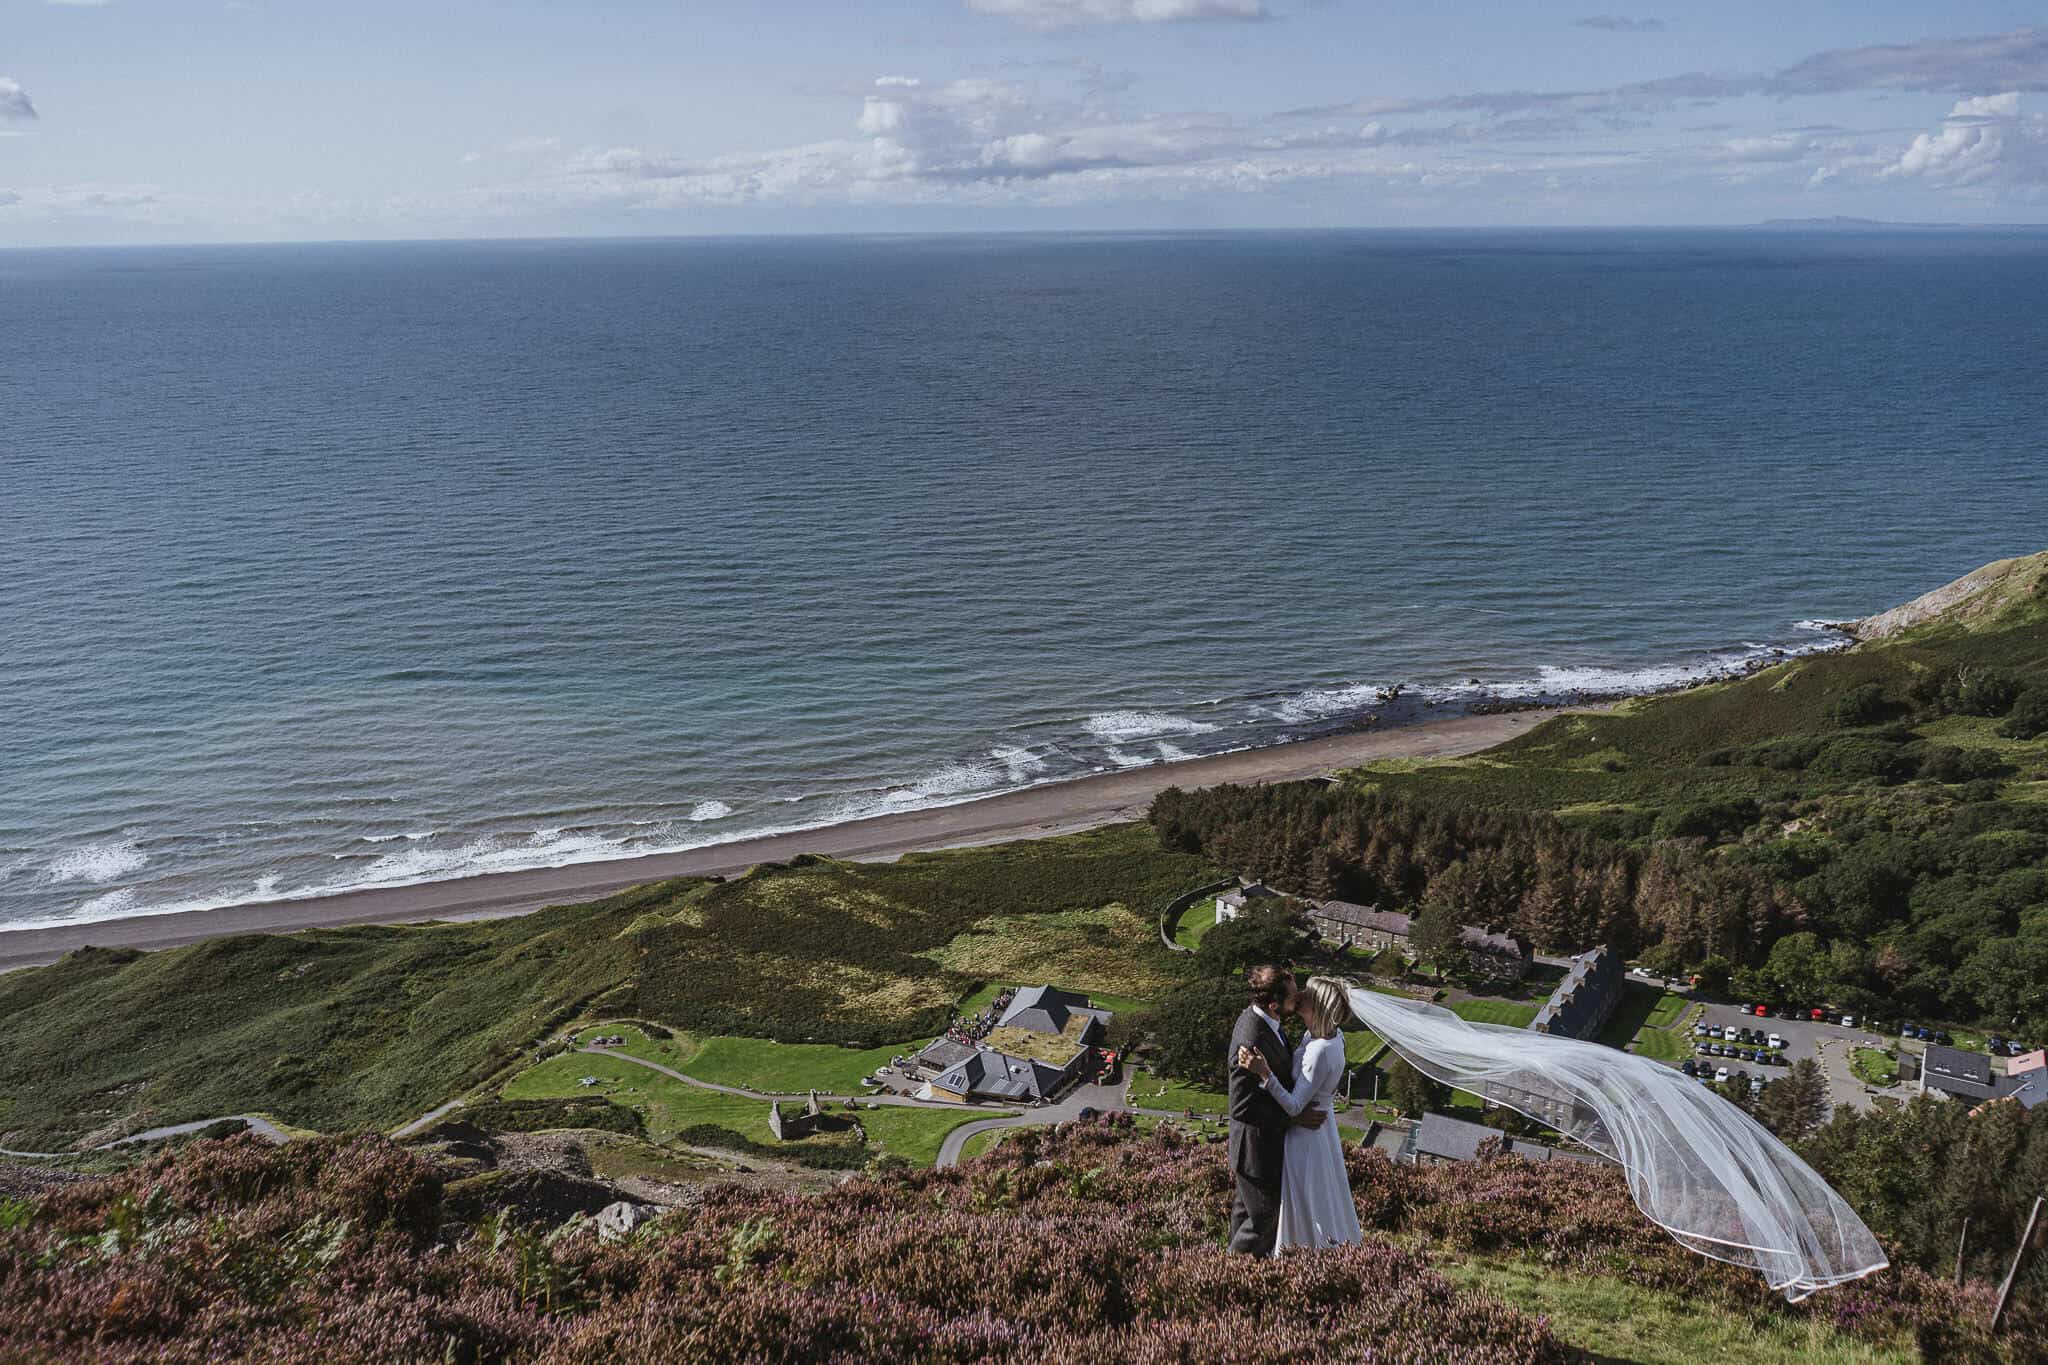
[1439, 1138]
[788, 1127]
[1967, 1076]
[1231, 904]
[1586, 997]
[1494, 957]
[1044, 1041]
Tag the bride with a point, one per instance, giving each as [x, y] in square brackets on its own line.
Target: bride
[1316, 1209]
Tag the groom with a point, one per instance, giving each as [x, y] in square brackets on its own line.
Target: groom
[1258, 1125]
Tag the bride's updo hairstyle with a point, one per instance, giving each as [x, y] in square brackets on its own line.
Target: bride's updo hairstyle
[1328, 1008]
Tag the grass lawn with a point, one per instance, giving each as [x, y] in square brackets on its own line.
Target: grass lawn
[981, 1144]
[676, 1051]
[786, 1068]
[1195, 921]
[1160, 1092]
[1641, 1017]
[673, 1110]
[1511, 1013]
[1360, 1044]
[667, 1105]
[1615, 1319]
[915, 1134]
[1873, 1067]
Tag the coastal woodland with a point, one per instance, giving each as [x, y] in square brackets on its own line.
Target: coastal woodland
[1867, 828]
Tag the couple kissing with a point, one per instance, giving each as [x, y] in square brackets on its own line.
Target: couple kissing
[1292, 1189]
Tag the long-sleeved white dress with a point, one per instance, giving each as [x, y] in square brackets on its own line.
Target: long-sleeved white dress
[1316, 1209]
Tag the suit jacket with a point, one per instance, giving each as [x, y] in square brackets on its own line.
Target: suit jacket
[1258, 1125]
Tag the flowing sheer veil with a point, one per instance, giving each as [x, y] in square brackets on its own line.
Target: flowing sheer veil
[1699, 1167]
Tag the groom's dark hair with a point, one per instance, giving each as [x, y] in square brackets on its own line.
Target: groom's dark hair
[1269, 984]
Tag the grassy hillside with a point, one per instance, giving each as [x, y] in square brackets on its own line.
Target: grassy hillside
[335, 1029]
[1089, 1243]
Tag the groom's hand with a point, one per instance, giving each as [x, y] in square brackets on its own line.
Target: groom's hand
[1312, 1118]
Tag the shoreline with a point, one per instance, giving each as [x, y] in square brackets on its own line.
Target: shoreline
[1067, 807]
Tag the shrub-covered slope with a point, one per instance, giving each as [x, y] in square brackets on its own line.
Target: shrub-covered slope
[1089, 1243]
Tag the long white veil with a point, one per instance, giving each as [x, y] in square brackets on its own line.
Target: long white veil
[1699, 1167]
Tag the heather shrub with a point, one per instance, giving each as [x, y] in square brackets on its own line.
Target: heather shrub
[1088, 1242]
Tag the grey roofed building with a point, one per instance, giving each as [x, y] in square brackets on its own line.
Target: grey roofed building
[1231, 904]
[1348, 915]
[1968, 1076]
[1954, 1064]
[989, 1072]
[942, 1054]
[1442, 1138]
[1586, 996]
[1047, 1009]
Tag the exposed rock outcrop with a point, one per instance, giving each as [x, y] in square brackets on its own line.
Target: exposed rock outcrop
[1976, 596]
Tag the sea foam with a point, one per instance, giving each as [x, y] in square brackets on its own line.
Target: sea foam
[1117, 727]
[98, 862]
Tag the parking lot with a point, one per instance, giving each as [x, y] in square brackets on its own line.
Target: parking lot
[1828, 1044]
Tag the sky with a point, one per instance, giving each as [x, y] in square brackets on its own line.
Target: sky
[256, 120]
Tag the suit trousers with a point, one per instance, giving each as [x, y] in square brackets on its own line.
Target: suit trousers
[1255, 1216]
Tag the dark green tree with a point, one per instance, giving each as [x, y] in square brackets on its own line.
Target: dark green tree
[1433, 937]
[1190, 1028]
[1267, 931]
[1796, 1104]
[1413, 1093]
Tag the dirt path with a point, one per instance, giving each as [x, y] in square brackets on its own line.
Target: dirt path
[262, 1127]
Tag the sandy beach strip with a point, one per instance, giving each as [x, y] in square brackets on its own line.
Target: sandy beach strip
[1057, 808]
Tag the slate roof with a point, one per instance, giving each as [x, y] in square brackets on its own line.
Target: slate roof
[989, 1072]
[1954, 1064]
[1047, 1009]
[942, 1053]
[1439, 1135]
[1583, 997]
[1363, 917]
[1475, 938]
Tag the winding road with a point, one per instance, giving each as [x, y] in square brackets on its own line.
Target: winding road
[258, 1125]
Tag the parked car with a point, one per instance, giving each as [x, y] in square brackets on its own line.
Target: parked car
[1699, 1030]
[1742, 1009]
[1762, 1011]
[1689, 1067]
[1943, 1039]
[1721, 1075]
[1833, 1016]
[1848, 1021]
[1777, 1040]
[1756, 1085]
[1909, 1029]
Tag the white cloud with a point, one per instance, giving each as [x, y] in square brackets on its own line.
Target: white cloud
[1767, 147]
[1984, 141]
[14, 101]
[1068, 13]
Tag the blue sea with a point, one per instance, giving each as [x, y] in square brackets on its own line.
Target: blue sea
[337, 566]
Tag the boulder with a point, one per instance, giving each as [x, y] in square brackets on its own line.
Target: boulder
[616, 1221]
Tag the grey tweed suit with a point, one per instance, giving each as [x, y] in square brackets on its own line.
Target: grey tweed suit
[1258, 1136]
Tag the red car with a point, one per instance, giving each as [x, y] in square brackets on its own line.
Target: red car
[1763, 1011]
[1820, 1014]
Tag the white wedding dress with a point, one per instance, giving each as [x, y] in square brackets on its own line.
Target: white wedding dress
[1315, 1192]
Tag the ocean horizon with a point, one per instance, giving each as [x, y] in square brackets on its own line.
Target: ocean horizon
[338, 566]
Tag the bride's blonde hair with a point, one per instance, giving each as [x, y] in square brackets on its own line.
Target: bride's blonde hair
[1330, 1010]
